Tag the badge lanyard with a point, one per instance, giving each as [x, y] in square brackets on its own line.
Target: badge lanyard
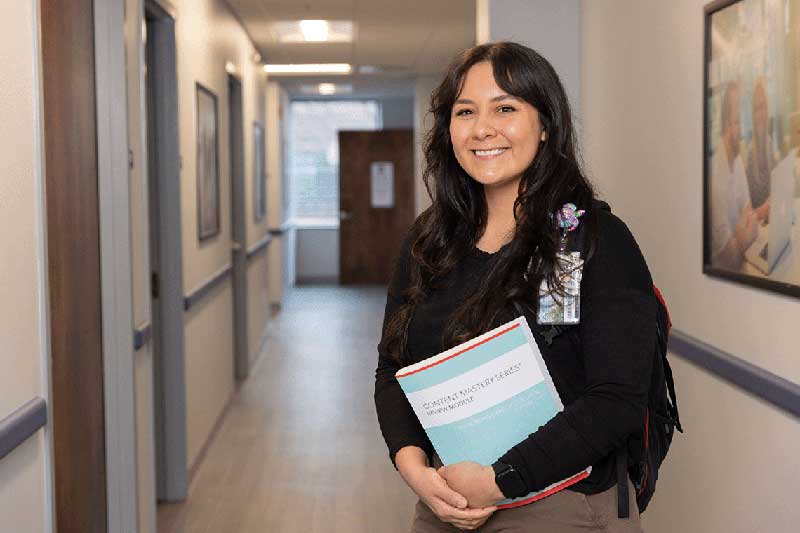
[554, 308]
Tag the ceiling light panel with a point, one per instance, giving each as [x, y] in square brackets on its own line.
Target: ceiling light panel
[312, 31]
[327, 88]
[309, 68]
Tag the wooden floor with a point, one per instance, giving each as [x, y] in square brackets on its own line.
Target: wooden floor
[299, 450]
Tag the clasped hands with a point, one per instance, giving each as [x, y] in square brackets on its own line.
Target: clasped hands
[466, 494]
[473, 481]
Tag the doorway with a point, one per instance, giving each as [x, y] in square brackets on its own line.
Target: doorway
[238, 228]
[166, 270]
[376, 199]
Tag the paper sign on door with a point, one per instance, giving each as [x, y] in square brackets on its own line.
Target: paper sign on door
[382, 184]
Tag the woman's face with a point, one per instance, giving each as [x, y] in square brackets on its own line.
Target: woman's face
[495, 135]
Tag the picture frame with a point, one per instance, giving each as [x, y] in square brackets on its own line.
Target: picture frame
[259, 173]
[751, 143]
[207, 163]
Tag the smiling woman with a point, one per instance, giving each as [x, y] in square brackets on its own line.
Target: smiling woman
[500, 163]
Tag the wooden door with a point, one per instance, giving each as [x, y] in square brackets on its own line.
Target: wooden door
[376, 202]
[241, 356]
[73, 264]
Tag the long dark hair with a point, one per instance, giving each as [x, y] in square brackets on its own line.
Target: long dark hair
[447, 231]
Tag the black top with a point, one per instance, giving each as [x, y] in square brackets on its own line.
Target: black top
[601, 368]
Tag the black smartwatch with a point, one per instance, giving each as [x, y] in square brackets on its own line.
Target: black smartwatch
[509, 480]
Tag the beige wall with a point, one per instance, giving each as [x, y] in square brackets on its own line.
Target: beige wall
[277, 105]
[736, 468]
[24, 473]
[258, 305]
[207, 38]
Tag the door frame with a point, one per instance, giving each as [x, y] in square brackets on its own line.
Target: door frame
[169, 377]
[78, 182]
[115, 265]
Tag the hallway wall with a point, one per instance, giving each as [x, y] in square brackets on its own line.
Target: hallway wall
[25, 474]
[277, 107]
[207, 38]
[736, 468]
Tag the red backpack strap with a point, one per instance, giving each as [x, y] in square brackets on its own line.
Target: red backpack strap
[661, 299]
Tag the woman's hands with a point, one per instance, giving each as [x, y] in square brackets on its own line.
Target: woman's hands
[447, 504]
[474, 481]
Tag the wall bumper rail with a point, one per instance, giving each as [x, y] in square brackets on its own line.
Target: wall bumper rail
[17, 427]
[191, 299]
[259, 247]
[761, 383]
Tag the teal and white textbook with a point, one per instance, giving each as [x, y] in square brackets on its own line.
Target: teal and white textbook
[480, 398]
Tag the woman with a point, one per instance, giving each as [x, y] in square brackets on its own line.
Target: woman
[500, 162]
[759, 156]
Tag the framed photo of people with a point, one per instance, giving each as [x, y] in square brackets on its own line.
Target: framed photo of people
[751, 136]
[207, 165]
[259, 176]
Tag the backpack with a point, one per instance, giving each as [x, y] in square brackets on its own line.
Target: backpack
[646, 449]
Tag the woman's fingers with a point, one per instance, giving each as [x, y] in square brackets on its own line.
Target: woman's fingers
[448, 495]
[477, 517]
[449, 513]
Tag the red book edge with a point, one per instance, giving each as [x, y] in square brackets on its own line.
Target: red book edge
[566, 483]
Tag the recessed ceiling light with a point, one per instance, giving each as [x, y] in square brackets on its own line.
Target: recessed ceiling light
[326, 89]
[369, 69]
[312, 31]
[309, 68]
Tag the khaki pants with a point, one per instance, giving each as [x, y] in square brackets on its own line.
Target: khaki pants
[563, 512]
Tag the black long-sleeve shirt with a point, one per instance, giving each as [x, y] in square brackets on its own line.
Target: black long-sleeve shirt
[601, 369]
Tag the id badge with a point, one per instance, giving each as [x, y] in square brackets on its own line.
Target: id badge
[557, 309]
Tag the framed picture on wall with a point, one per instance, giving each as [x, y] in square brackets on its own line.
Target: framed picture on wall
[751, 136]
[207, 169]
[259, 173]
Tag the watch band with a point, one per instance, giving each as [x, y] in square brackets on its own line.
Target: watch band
[509, 480]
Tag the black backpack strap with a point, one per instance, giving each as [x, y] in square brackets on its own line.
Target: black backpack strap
[623, 510]
[672, 397]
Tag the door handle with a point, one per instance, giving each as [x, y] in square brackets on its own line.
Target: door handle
[344, 215]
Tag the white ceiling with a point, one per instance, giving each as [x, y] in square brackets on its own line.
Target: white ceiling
[406, 38]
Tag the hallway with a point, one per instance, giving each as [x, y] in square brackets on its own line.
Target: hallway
[299, 449]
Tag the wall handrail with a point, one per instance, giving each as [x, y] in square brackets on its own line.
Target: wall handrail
[755, 380]
[141, 335]
[191, 299]
[17, 427]
[259, 247]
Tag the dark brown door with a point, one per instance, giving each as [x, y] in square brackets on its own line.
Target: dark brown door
[73, 264]
[376, 202]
